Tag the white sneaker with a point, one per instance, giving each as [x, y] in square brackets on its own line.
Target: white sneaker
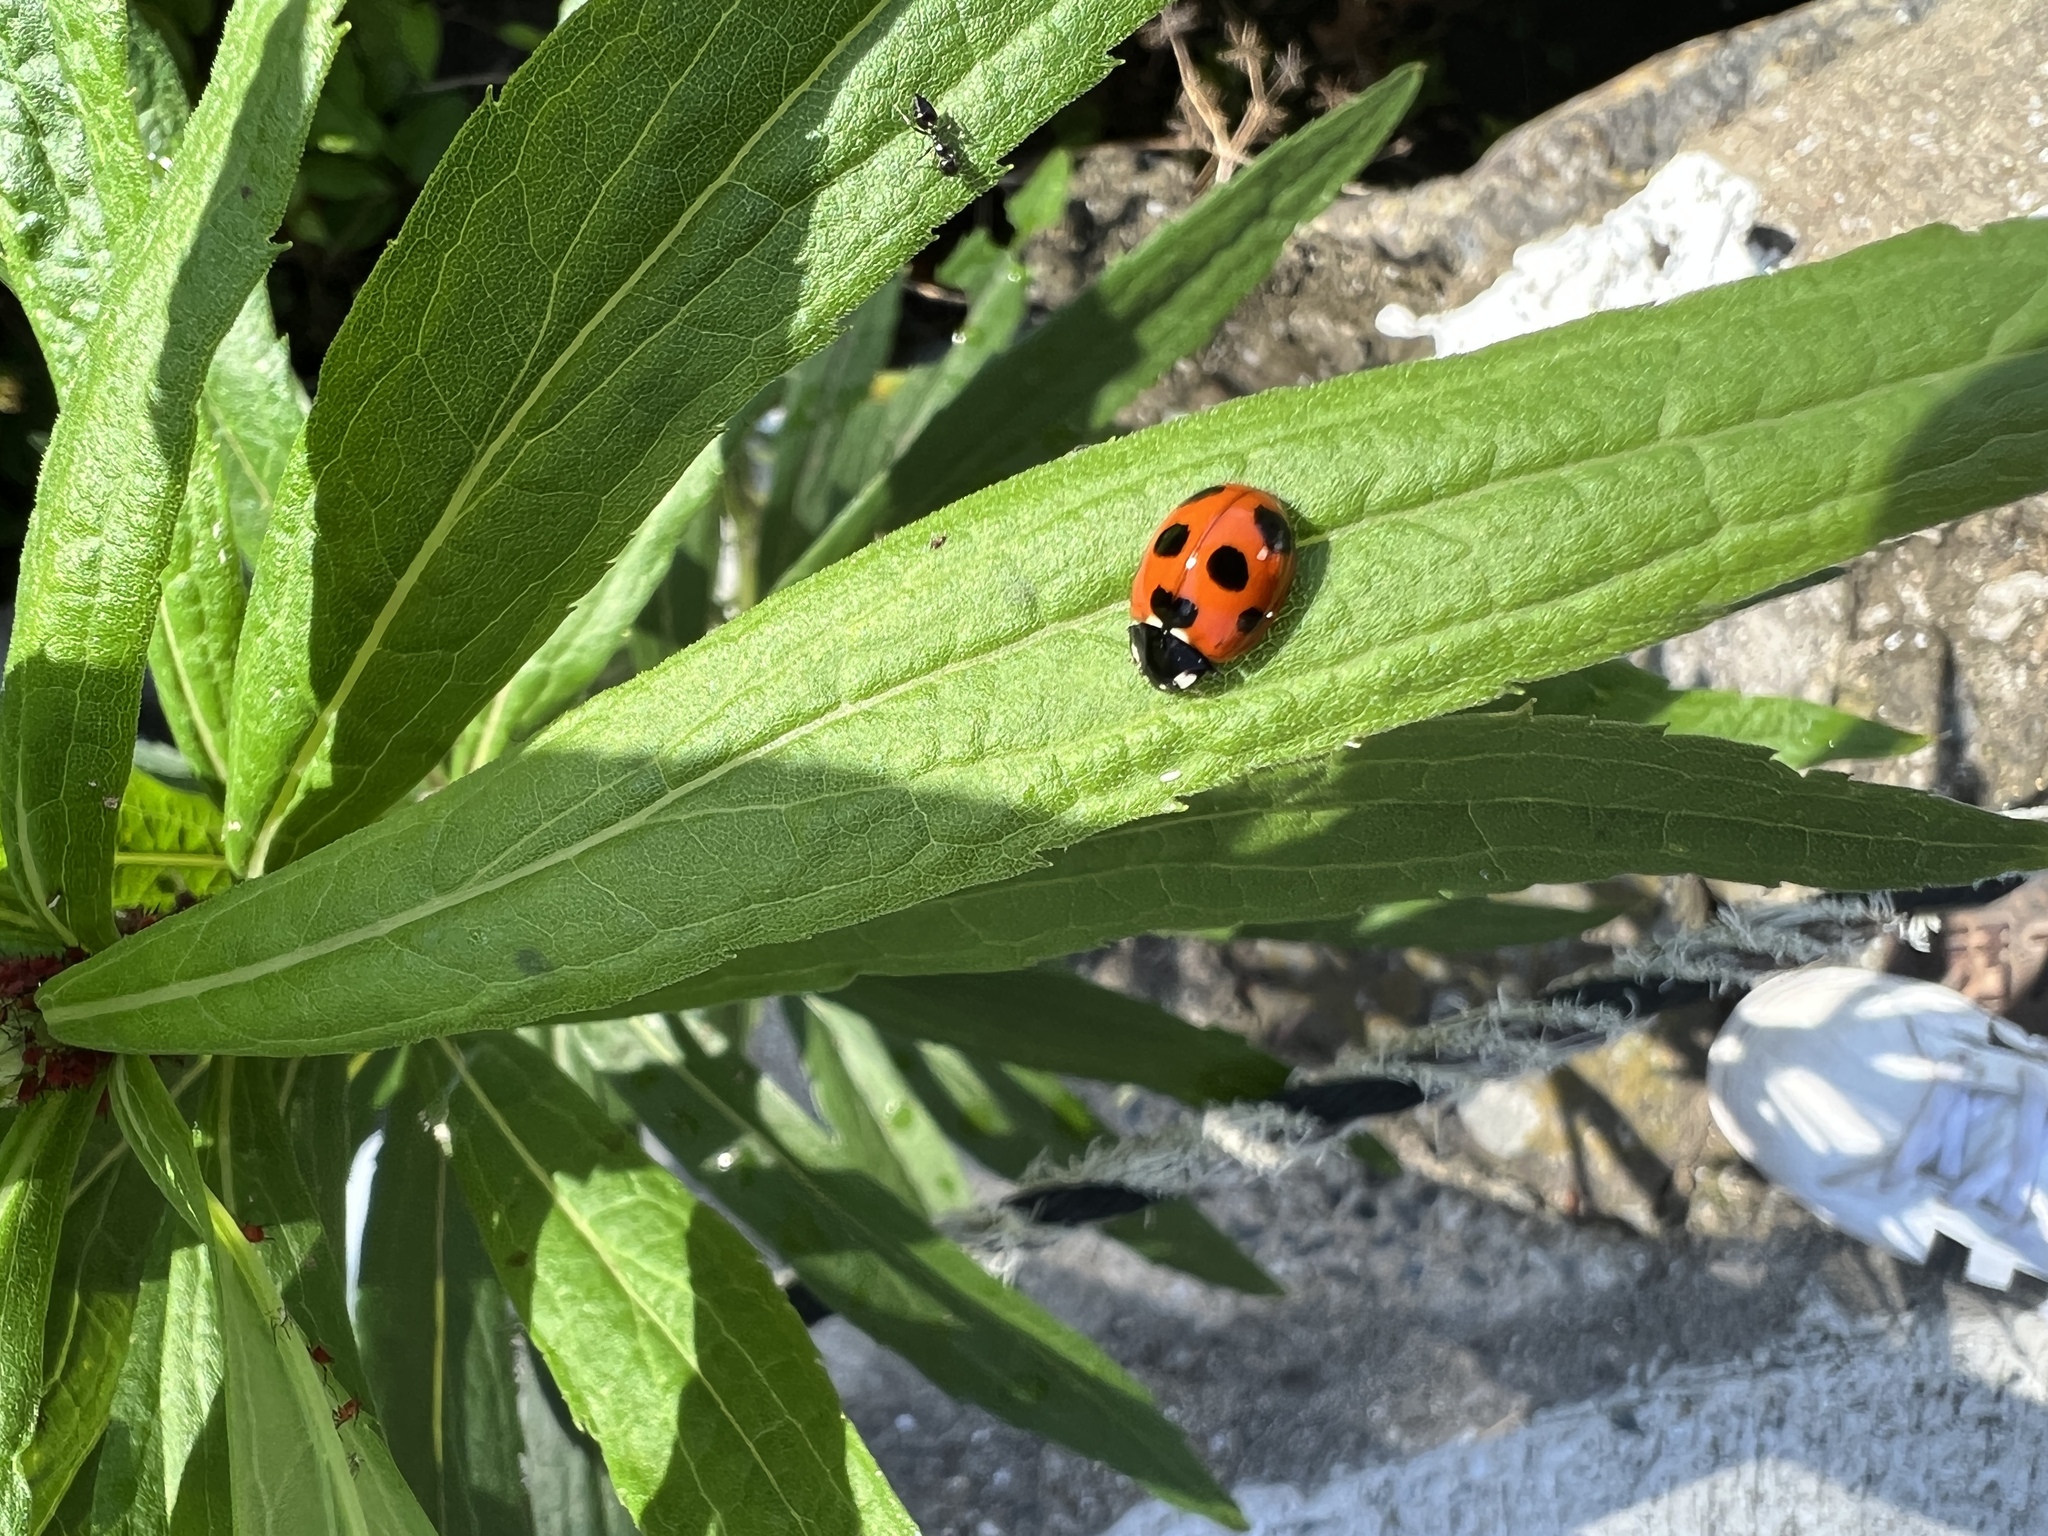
[1894, 1110]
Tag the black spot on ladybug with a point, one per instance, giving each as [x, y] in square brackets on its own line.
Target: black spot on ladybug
[1229, 569]
[1173, 612]
[1172, 539]
[1250, 620]
[1207, 490]
[1274, 530]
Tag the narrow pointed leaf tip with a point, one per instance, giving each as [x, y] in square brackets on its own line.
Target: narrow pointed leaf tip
[1537, 506]
[667, 207]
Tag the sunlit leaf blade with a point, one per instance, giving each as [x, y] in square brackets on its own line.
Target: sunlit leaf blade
[113, 477]
[36, 1161]
[1060, 1023]
[667, 206]
[256, 1172]
[1801, 733]
[890, 1136]
[872, 1258]
[167, 846]
[1065, 382]
[91, 37]
[437, 1339]
[199, 619]
[570, 659]
[53, 230]
[1533, 507]
[163, 1464]
[671, 1343]
[112, 1217]
[1010, 1117]
[1459, 805]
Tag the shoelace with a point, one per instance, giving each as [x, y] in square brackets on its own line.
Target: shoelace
[2005, 1174]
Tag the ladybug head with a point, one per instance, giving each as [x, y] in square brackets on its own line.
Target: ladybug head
[1167, 661]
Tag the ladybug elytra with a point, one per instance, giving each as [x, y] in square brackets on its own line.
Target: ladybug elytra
[1214, 574]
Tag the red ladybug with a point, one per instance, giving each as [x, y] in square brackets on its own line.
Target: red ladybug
[1213, 576]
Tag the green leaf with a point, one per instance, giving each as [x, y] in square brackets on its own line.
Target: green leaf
[92, 43]
[297, 1470]
[53, 235]
[36, 1161]
[256, 1172]
[199, 619]
[884, 429]
[253, 404]
[163, 1465]
[1060, 1023]
[1444, 923]
[254, 407]
[890, 1134]
[437, 1338]
[1450, 806]
[1065, 382]
[314, 1095]
[112, 1215]
[1801, 734]
[564, 1474]
[665, 209]
[1008, 1117]
[670, 1341]
[167, 844]
[113, 477]
[870, 1256]
[1533, 507]
[600, 623]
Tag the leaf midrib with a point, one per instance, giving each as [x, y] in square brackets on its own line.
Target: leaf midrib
[451, 514]
[383, 927]
[602, 1252]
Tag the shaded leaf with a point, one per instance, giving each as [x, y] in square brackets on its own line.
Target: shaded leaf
[1444, 923]
[1060, 1023]
[1010, 1117]
[199, 619]
[163, 1465]
[890, 1135]
[36, 1161]
[871, 1257]
[437, 1338]
[112, 1215]
[1800, 733]
[592, 632]
[1450, 806]
[113, 477]
[672, 1345]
